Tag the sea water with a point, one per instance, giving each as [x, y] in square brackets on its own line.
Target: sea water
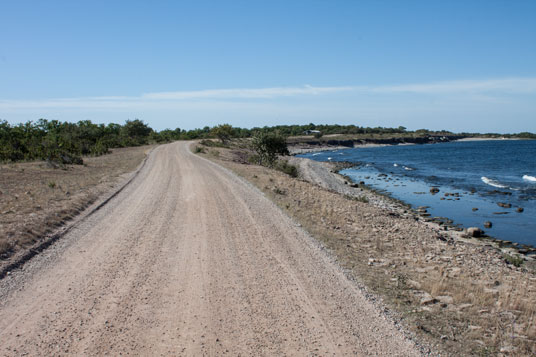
[477, 181]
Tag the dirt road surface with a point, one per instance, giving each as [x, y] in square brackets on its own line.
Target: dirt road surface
[189, 260]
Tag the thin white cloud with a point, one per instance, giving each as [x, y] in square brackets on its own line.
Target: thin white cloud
[244, 93]
[496, 87]
[507, 85]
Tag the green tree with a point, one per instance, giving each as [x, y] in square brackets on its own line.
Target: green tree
[268, 146]
[135, 132]
[224, 132]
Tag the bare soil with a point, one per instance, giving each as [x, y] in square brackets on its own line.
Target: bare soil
[189, 259]
[36, 198]
[456, 294]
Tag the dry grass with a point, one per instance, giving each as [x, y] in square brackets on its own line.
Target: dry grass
[459, 296]
[35, 198]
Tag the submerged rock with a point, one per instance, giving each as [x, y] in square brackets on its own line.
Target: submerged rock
[488, 224]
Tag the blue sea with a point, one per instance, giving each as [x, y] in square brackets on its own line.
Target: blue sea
[495, 177]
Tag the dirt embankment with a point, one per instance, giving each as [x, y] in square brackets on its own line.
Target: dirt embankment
[189, 259]
[460, 295]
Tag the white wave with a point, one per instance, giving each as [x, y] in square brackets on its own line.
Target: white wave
[493, 183]
[329, 158]
[408, 168]
[529, 178]
[395, 165]
[316, 154]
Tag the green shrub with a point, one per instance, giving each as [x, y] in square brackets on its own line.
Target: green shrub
[279, 191]
[254, 159]
[212, 143]
[363, 199]
[199, 149]
[100, 148]
[284, 166]
[268, 146]
[515, 260]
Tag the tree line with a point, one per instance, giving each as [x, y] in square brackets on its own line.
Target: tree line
[68, 142]
[64, 141]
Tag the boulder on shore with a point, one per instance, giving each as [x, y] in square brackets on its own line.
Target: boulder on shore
[474, 232]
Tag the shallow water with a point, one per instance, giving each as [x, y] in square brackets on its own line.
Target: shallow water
[480, 174]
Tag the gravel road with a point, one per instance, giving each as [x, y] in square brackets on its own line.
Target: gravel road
[189, 260]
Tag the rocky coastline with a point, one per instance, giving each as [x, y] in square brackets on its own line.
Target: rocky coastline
[419, 213]
[322, 144]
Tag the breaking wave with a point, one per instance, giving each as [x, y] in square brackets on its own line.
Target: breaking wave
[529, 178]
[493, 183]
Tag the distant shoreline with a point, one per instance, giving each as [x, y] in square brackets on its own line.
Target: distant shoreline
[303, 148]
[481, 138]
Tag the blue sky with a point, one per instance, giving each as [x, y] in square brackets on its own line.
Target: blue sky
[457, 65]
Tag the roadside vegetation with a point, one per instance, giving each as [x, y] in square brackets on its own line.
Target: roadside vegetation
[66, 143]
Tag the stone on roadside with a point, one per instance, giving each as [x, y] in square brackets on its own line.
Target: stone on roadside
[445, 299]
[428, 299]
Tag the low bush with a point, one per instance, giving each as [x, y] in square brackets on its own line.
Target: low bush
[212, 143]
[357, 198]
[515, 260]
[254, 159]
[284, 166]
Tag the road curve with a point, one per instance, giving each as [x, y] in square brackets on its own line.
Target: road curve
[188, 260]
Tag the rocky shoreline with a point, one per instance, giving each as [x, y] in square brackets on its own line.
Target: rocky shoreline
[384, 200]
[314, 145]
